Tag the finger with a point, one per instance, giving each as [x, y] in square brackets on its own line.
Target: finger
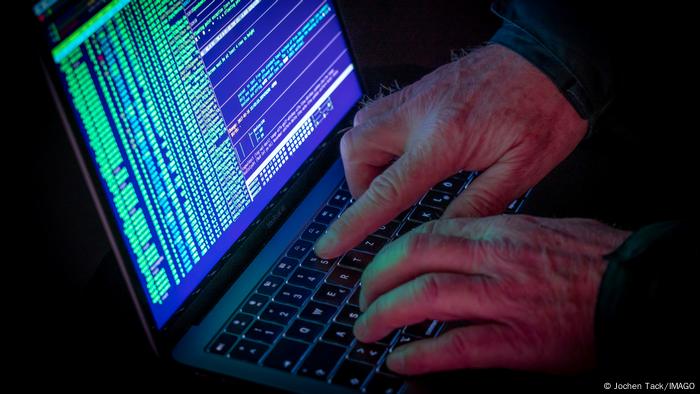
[477, 346]
[391, 192]
[419, 253]
[367, 149]
[490, 192]
[441, 296]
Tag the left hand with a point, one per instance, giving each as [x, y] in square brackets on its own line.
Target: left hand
[528, 284]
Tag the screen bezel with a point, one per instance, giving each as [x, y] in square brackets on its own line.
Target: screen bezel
[244, 249]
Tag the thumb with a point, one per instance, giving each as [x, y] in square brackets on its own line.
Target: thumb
[490, 192]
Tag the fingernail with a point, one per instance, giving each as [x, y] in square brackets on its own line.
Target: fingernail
[360, 328]
[395, 360]
[324, 243]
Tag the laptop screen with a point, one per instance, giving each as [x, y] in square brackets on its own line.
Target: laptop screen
[195, 114]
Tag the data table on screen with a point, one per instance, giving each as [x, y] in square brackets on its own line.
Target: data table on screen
[196, 113]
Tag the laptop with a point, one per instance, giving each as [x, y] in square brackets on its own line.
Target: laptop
[208, 134]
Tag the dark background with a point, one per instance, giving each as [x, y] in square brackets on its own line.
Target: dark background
[76, 326]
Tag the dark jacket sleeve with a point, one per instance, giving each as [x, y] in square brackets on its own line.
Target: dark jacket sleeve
[568, 41]
[646, 317]
[647, 306]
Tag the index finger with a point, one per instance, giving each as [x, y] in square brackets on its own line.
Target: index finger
[391, 192]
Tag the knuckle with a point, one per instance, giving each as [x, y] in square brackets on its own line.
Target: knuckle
[485, 203]
[385, 189]
[361, 115]
[346, 144]
[431, 227]
[459, 344]
[417, 243]
[502, 222]
[428, 288]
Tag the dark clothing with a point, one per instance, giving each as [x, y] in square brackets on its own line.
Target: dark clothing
[627, 66]
[578, 64]
[646, 317]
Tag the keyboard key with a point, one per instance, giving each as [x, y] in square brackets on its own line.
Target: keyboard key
[263, 331]
[255, 304]
[387, 339]
[331, 294]
[355, 298]
[303, 330]
[513, 206]
[344, 186]
[352, 374]
[239, 323]
[372, 244]
[344, 277]
[406, 227]
[356, 259]
[299, 249]
[270, 285]
[317, 263]
[321, 361]
[248, 351]
[318, 312]
[384, 384]
[338, 333]
[422, 330]
[313, 231]
[306, 278]
[404, 339]
[292, 295]
[451, 185]
[387, 230]
[285, 267]
[367, 352]
[340, 198]
[285, 355]
[403, 215]
[278, 313]
[437, 200]
[425, 214]
[222, 344]
[327, 214]
[348, 315]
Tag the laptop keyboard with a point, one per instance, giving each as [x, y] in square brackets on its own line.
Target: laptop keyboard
[300, 317]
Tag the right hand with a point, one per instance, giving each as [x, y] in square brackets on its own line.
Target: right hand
[528, 285]
[490, 111]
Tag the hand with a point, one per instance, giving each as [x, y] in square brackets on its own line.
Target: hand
[528, 284]
[490, 111]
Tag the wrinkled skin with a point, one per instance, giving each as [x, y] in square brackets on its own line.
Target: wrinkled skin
[528, 284]
[490, 111]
